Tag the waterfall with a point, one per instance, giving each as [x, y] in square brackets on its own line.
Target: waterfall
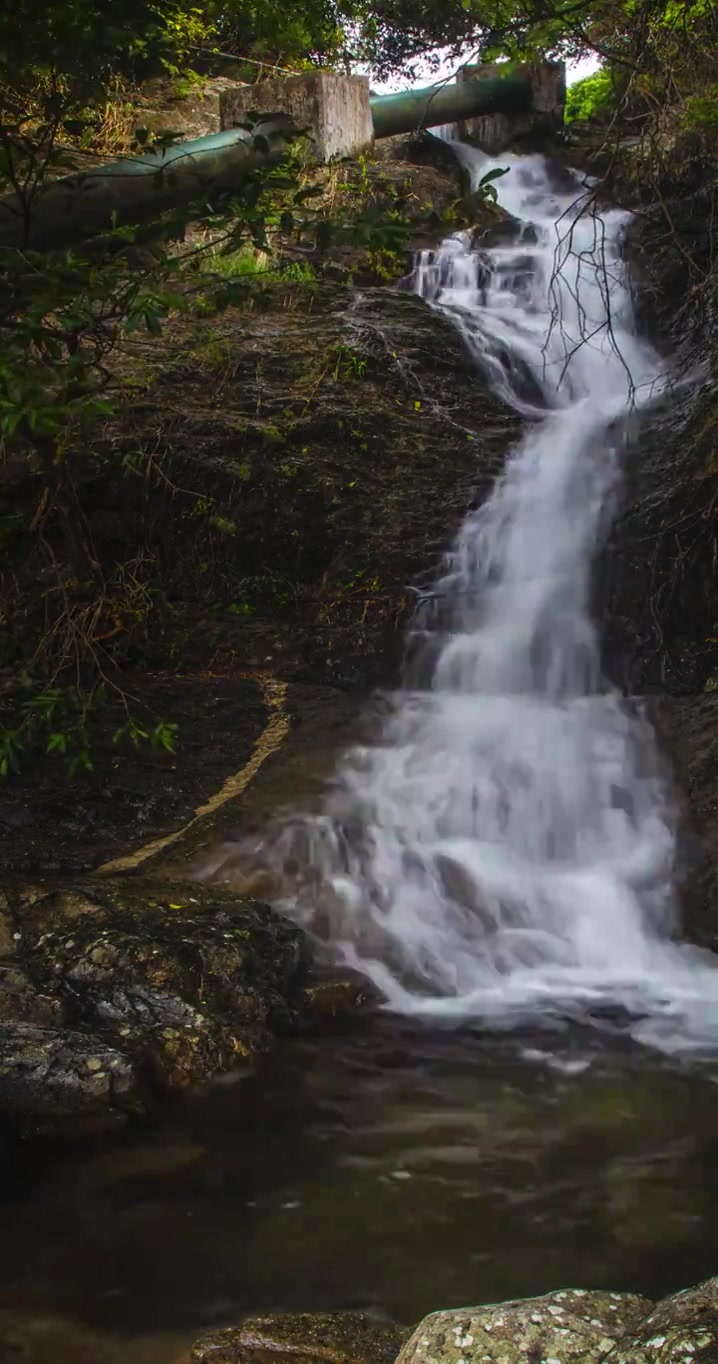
[504, 850]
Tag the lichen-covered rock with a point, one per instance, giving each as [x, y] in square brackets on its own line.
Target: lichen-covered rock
[681, 1328]
[570, 1325]
[312, 1337]
[53, 1078]
[188, 984]
[115, 984]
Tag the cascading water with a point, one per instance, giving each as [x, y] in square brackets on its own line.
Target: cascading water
[505, 849]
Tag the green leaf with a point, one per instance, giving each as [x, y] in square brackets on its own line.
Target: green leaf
[493, 175]
[57, 743]
[164, 736]
[82, 762]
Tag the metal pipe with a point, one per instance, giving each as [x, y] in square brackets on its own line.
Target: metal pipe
[440, 104]
[139, 187]
[88, 203]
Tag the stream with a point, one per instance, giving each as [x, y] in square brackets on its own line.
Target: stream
[395, 1169]
[537, 1106]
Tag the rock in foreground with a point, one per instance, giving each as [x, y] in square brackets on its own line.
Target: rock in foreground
[571, 1326]
[680, 1328]
[567, 1326]
[312, 1337]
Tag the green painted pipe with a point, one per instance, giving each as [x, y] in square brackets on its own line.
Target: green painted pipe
[136, 188]
[437, 105]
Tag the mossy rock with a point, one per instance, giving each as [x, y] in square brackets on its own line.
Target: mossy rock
[303, 1338]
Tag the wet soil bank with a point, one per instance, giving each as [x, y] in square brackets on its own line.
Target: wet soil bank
[280, 482]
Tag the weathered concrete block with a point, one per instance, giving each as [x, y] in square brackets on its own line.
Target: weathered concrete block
[495, 132]
[333, 110]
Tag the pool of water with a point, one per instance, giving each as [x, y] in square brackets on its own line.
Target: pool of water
[396, 1169]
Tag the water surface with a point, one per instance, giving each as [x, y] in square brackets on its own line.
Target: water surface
[398, 1170]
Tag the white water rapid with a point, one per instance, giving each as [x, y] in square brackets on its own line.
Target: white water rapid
[505, 850]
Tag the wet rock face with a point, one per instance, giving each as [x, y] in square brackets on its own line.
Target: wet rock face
[345, 439]
[657, 578]
[119, 994]
[564, 1326]
[688, 730]
[313, 1337]
[50, 1076]
[656, 581]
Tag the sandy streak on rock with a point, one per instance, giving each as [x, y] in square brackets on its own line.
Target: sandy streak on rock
[272, 737]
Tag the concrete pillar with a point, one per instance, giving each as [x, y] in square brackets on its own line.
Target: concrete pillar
[333, 110]
[496, 132]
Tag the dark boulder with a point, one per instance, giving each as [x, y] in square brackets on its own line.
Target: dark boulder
[119, 993]
[57, 1078]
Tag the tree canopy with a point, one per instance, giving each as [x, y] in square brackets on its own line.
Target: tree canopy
[82, 43]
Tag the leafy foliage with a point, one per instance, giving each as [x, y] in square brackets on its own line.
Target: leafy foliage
[396, 32]
[281, 33]
[701, 110]
[590, 97]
